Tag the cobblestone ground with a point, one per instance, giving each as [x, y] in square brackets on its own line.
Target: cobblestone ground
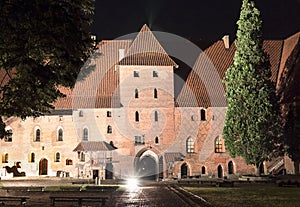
[147, 195]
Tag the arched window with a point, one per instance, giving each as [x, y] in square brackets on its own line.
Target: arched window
[60, 134]
[155, 116]
[5, 158]
[8, 136]
[80, 113]
[218, 145]
[155, 93]
[203, 170]
[82, 157]
[190, 145]
[109, 129]
[136, 93]
[85, 134]
[230, 168]
[32, 157]
[57, 157]
[156, 140]
[137, 116]
[37, 136]
[203, 115]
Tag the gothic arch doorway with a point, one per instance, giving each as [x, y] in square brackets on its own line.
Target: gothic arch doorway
[184, 169]
[230, 168]
[43, 167]
[146, 165]
[220, 171]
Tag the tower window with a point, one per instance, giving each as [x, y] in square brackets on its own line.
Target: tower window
[136, 74]
[136, 93]
[108, 113]
[137, 116]
[32, 157]
[156, 140]
[155, 74]
[156, 116]
[109, 129]
[155, 93]
[203, 115]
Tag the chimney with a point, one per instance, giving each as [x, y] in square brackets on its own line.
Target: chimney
[226, 41]
[121, 54]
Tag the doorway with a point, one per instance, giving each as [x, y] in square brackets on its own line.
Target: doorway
[184, 170]
[43, 167]
[220, 171]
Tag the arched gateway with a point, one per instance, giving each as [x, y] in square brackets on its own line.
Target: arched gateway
[147, 165]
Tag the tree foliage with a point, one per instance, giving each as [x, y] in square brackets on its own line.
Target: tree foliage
[292, 135]
[252, 120]
[43, 44]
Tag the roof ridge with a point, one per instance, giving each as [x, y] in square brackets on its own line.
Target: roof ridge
[146, 42]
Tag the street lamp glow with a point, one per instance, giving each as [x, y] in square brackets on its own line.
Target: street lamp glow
[132, 184]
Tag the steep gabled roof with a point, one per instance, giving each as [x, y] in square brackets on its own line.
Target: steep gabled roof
[204, 85]
[146, 50]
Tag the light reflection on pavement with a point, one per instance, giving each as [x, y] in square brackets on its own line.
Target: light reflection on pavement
[150, 196]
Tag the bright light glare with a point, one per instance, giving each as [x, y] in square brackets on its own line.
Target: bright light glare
[132, 184]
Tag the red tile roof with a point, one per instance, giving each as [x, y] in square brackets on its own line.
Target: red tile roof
[204, 85]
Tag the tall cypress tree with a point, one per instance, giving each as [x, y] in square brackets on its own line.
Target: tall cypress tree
[251, 127]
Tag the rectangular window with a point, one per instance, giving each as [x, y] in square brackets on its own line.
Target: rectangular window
[136, 74]
[139, 140]
[155, 74]
[108, 114]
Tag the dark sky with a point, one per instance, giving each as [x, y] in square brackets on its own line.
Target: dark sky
[192, 19]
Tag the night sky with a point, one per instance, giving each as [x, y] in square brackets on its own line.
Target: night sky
[192, 19]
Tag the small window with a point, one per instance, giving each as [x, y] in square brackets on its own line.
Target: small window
[190, 145]
[137, 116]
[155, 74]
[82, 157]
[60, 134]
[37, 137]
[32, 157]
[5, 158]
[139, 140]
[80, 113]
[155, 93]
[218, 145]
[85, 134]
[69, 162]
[108, 113]
[203, 114]
[57, 157]
[136, 74]
[109, 129]
[156, 116]
[156, 140]
[8, 136]
[136, 93]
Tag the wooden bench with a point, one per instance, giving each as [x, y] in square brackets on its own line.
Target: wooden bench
[78, 199]
[21, 199]
[23, 188]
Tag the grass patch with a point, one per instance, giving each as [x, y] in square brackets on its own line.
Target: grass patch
[260, 195]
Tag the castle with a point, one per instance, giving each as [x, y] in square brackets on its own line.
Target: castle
[131, 114]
